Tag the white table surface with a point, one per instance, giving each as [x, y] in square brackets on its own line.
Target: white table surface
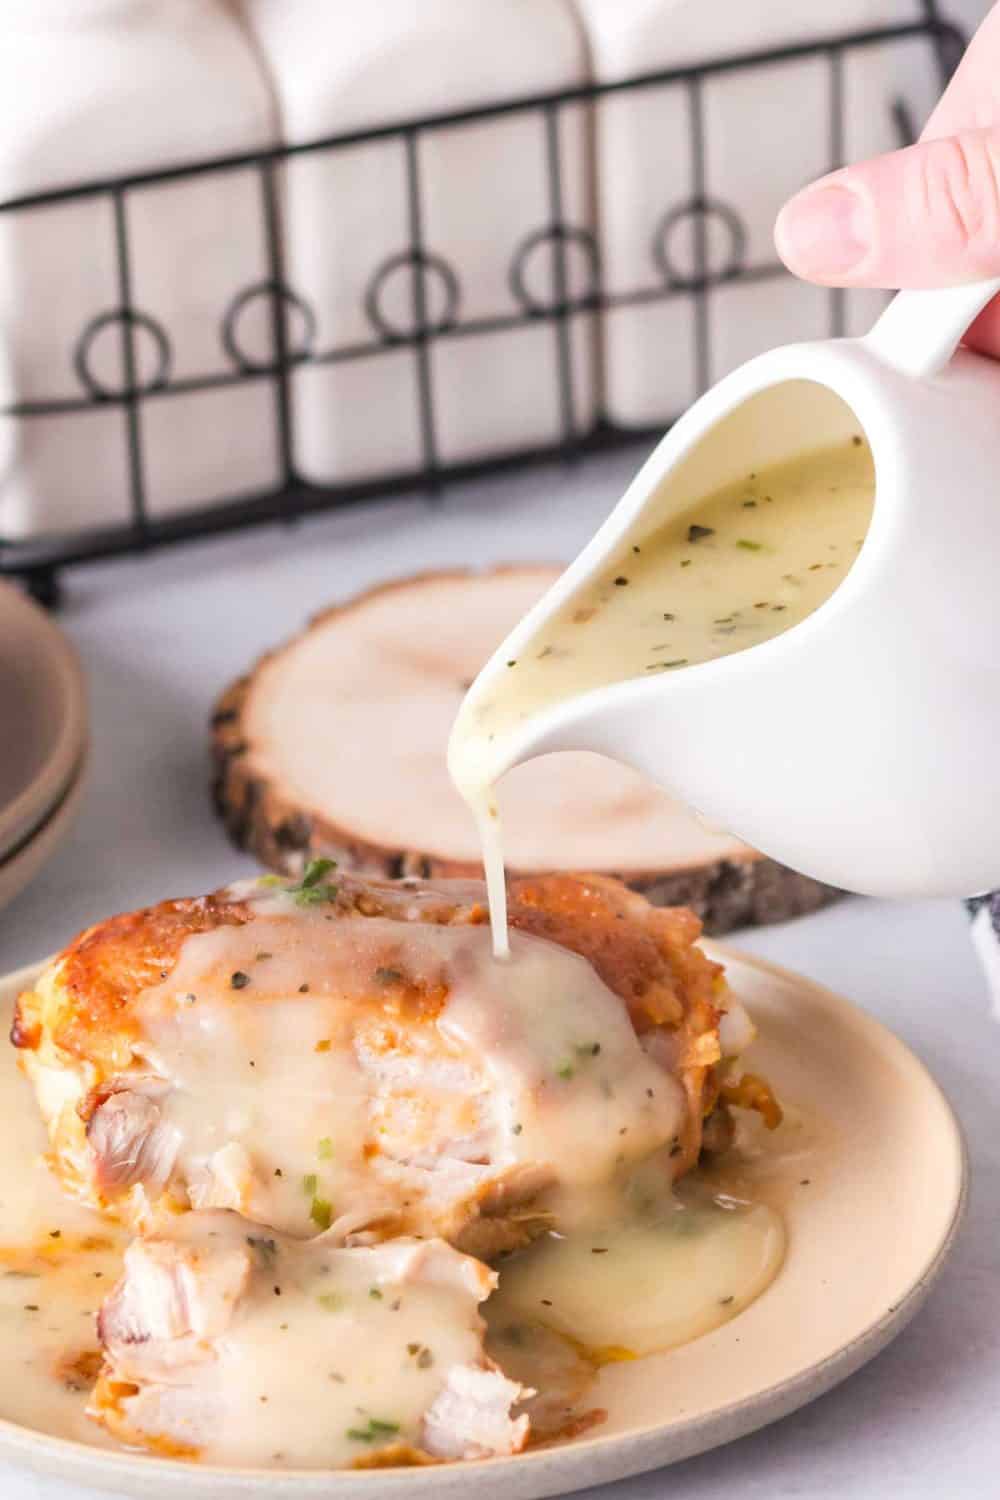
[159, 637]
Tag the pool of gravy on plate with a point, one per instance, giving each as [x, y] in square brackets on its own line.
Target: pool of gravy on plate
[737, 568]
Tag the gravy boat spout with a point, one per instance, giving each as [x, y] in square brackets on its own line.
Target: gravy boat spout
[861, 745]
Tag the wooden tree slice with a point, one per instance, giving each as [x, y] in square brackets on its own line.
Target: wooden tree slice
[335, 744]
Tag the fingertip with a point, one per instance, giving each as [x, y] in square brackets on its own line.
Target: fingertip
[824, 233]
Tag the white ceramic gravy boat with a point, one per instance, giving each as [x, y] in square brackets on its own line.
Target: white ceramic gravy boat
[863, 745]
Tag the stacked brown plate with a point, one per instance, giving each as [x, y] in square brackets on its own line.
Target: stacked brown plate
[43, 739]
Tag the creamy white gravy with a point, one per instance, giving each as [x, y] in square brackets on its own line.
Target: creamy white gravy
[742, 565]
[295, 1353]
[647, 1282]
[298, 1092]
[58, 1260]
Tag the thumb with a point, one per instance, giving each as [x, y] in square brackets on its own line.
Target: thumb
[925, 216]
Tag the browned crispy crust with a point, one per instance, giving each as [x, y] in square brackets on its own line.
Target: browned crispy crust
[395, 1456]
[262, 817]
[108, 965]
[644, 954]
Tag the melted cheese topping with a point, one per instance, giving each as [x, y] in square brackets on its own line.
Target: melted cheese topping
[737, 568]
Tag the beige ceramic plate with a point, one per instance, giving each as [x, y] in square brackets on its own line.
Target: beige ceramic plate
[43, 709]
[20, 867]
[884, 1173]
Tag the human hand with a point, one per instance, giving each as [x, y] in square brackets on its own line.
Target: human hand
[926, 216]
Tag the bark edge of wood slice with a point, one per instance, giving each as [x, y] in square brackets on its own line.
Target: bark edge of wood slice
[283, 826]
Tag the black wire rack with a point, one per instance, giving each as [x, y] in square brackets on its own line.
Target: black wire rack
[39, 560]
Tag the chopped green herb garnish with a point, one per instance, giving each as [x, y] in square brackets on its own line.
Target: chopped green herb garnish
[321, 1213]
[373, 1431]
[324, 1148]
[313, 888]
[239, 980]
[588, 1049]
[310, 1183]
[314, 895]
[269, 881]
[685, 562]
[373, 1291]
[749, 505]
[330, 1300]
[749, 546]
[695, 533]
[566, 1071]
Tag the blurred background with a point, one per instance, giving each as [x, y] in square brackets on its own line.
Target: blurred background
[301, 299]
[259, 257]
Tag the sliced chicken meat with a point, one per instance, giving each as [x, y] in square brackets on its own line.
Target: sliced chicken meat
[347, 1055]
[238, 1346]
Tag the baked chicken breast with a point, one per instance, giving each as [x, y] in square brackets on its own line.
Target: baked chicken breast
[238, 1347]
[346, 1055]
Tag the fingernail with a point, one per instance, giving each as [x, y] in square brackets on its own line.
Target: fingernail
[824, 231]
